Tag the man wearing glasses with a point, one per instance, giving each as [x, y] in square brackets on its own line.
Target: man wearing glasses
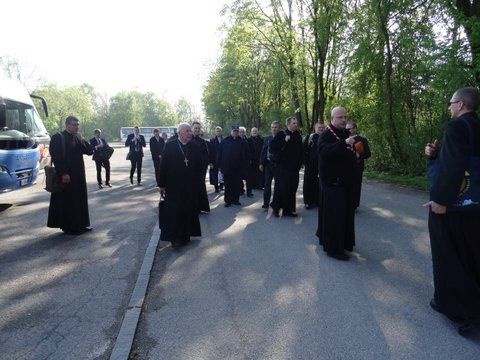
[454, 234]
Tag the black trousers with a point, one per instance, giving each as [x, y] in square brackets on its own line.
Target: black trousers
[233, 186]
[136, 162]
[267, 190]
[285, 189]
[106, 165]
[456, 263]
[156, 165]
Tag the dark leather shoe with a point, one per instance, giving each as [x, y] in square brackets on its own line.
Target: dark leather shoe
[276, 213]
[249, 195]
[228, 204]
[237, 203]
[290, 214]
[341, 257]
[109, 185]
[265, 207]
[100, 186]
[139, 184]
[131, 181]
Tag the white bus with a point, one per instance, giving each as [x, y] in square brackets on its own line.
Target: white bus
[147, 131]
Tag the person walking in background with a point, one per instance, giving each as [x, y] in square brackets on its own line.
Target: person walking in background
[453, 230]
[231, 157]
[311, 186]
[68, 208]
[156, 147]
[254, 175]
[267, 165]
[205, 153]
[287, 149]
[336, 228]
[100, 156]
[136, 142]
[362, 152]
[214, 172]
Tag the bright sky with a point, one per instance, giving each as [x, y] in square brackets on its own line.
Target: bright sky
[164, 46]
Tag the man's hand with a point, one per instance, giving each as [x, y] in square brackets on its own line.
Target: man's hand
[162, 192]
[287, 138]
[350, 140]
[65, 179]
[436, 208]
[260, 167]
[431, 149]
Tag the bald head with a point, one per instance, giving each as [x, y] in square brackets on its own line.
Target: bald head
[339, 117]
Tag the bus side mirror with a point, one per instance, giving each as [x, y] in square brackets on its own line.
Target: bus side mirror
[44, 103]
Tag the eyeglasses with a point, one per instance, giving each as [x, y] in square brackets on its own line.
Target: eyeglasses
[453, 102]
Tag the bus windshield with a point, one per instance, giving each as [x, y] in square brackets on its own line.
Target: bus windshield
[23, 118]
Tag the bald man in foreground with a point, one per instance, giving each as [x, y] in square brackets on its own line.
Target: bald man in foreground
[336, 230]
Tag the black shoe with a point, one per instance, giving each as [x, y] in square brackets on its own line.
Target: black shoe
[276, 213]
[221, 187]
[341, 257]
[100, 186]
[242, 192]
[469, 327]
[139, 184]
[237, 203]
[290, 214]
[249, 195]
[265, 207]
[77, 232]
[131, 181]
[109, 185]
[228, 204]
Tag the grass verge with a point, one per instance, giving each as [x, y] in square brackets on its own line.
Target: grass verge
[416, 182]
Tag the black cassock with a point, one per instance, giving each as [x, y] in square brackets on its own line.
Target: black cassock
[288, 161]
[69, 208]
[311, 185]
[233, 154]
[255, 176]
[336, 227]
[454, 236]
[363, 149]
[179, 211]
[206, 156]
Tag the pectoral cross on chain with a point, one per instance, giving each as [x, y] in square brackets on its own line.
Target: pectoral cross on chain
[186, 162]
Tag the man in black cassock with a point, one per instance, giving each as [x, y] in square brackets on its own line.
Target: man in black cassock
[156, 147]
[362, 152]
[454, 235]
[206, 155]
[215, 142]
[233, 154]
[336, 228]
[287, 150]
[267, 165]
[69, 208]
[254, 175]
[311, 187]
[180, 170]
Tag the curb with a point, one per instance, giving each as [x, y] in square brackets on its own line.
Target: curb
[124, 341]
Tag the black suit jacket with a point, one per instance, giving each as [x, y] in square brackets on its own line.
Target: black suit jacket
[98, 154]
[130, 142]
[156, 147]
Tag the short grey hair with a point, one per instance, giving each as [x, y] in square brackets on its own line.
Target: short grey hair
[470, 96]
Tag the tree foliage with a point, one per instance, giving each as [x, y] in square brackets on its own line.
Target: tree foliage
[393, 64]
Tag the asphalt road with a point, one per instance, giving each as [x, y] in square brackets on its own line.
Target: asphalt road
[61, 296]
[258, 287]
